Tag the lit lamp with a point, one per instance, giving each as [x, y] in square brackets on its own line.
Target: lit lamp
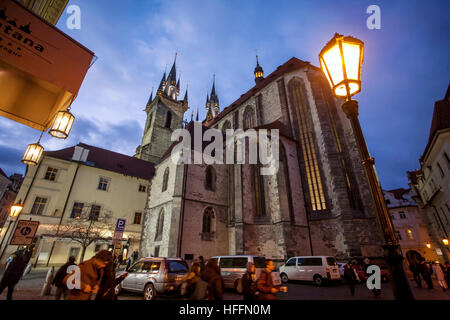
[445, 241]
[341, 61]
[62, 124]
[33, 153]
[16, 209]
[428, 245]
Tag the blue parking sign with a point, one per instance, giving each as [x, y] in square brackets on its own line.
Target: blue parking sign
[120, 225]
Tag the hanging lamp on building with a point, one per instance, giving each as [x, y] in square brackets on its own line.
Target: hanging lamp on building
[33, 153]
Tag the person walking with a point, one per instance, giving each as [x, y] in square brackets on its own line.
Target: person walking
[91, 274]
[440, 276]
[267, 290]
[426, 272]
[190, 280]
[413, 266]
[350, 277]
[211, 275]
[109, 282]
[61, 288]
[249, 283]
[13, 274]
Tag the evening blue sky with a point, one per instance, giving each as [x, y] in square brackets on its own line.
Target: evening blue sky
[406, 66]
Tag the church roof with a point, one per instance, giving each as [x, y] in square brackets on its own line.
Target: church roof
[398, 193]
[2, 173]
[290, 65]
[109, 160]
[441, 119]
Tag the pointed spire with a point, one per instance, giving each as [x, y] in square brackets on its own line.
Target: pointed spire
[213, 90]
[162, 84]
[185, 100]
[192, 116]
[258, 72]
[207, 100]
[196, 117]
[172, 78]
[151, 98]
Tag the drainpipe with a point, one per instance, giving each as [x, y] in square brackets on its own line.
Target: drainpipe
[183, 195]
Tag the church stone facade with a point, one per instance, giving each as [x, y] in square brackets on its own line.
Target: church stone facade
[318, 203]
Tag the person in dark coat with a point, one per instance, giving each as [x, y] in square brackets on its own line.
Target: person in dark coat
[211, 274]
[135, 256]
[350, 277]
[249, 283]
[109, 283]
[426, 273]
[415, 271]
[61, 288]
[13, 274]
[267, 290]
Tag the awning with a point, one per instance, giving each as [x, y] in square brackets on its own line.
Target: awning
[41, 68]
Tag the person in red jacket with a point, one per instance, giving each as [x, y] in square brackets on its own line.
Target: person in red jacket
[267, 290]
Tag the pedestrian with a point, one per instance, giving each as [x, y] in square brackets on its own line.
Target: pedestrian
[350, 277]
[61, 288]
[13, 274]
[128, 264]
[109, 282]
[267, 290]
[426, 272]
[413, 266]
[190, 280]
[249, 283]
[91, 274]
[211, 275]
[440, 276]
[201, 261]
[135, 256]
[376, 292]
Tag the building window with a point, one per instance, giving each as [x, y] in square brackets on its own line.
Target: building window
[38, 206]
[410, 234]
[168, 119]
[249, 118]
[313, 176]
[388, 201]
[95, 212]
[77, 210]
[159, 226]
[165, 179]
[98, 247]
[142, 188]
[402, 215]
[393, 216]
[440, 169]
[399, 235]
[207, 230]
[51, 174]
[226, 126]
[137, 217]
[103, 184]
[210, 179]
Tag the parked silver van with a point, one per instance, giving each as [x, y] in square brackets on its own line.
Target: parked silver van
[153, 276]
[234, 267]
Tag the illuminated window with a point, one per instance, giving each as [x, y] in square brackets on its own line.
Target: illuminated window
[410, 234]
[51, 174]
[77, 210]
[315, 188]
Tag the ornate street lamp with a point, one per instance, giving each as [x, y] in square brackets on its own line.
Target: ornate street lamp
[33, 153]
[62, 124]
[445, 241]
[341, 61]
[14, 212]
[428, 245]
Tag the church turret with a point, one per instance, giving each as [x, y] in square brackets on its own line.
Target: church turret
[162, 85]
[212, 102]
[185, 100]
[259, 72]
[149, 99]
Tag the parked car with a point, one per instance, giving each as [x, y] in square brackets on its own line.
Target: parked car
[311, 268]
[341, 266]
[385, 276]
[153, 276]
[233, 267]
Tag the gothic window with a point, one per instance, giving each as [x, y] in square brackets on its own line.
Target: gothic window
[165, 180]
[207, 230]
[236, 120]
[226, 125]
[210, 179]
[258, 183]
[284, 185]
[313, 176]
[249, 118]
[168, 119]
[159, 226]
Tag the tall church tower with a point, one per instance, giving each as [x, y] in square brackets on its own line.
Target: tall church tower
[212, 103]
[165, 114]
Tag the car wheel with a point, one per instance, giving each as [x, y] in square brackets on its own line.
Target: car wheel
[284, 278]
[149, 292]
[318, 281]
[117, 289]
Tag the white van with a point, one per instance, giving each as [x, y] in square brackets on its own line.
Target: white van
[311, 268]
[233, 267]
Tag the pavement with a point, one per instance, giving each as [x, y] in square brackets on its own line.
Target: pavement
[30, 286]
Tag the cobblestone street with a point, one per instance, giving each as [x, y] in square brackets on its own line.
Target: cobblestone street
[29, 288]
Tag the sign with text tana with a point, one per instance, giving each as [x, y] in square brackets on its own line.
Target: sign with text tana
[24, 233]
[41, 68]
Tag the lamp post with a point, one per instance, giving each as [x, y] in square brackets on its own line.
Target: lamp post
[341, 61]
[16, 209]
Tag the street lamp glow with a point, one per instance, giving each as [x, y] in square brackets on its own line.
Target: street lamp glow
[62, 124]
[445, 241]
[16, 209]
[341, 61]
[33, 154]
[428, 245]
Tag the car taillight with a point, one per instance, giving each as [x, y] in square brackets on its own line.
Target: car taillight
[328, 270]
